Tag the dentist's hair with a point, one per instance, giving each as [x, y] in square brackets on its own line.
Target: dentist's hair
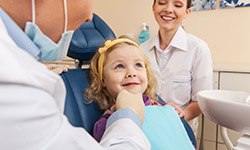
[188, 3]
[96, 90]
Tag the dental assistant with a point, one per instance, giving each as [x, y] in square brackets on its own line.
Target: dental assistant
[182, 62]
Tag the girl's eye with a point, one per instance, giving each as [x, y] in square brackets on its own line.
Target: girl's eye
[139, 65]
[119, 66]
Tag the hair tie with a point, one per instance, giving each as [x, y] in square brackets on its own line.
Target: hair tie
[108, 44]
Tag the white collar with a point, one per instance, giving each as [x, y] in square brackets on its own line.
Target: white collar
[179, 40]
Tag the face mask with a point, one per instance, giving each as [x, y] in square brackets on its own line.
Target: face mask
[50, 51]
[18, 36]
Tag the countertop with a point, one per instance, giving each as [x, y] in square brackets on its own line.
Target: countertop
[231, 67]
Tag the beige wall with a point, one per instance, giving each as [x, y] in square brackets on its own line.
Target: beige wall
[227, 31]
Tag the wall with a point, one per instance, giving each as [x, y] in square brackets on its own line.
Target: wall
[226, 31]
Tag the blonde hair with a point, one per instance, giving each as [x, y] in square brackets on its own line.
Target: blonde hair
[96, 90]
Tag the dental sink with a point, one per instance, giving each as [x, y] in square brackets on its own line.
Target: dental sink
[230, 109]
[227, 108]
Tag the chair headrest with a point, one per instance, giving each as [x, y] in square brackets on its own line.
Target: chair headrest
[88, 38]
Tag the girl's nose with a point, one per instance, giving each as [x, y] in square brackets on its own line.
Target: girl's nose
[130, 75]
[90, 17]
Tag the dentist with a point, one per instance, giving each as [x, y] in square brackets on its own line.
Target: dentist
[32, 100]
[49, 24]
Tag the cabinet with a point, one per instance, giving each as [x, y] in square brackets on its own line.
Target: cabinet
[224, 80]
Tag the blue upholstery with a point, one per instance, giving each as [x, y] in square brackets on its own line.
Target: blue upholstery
[88, 38]
[79, 112]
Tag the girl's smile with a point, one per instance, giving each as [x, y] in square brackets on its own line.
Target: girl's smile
[125, 69]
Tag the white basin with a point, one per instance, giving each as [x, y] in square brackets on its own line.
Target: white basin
[226, 108]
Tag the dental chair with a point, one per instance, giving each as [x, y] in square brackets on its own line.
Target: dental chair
[85, 42]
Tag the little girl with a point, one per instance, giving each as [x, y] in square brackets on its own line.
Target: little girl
[121, 64]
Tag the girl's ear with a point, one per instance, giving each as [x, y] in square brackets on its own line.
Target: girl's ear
[103, 83]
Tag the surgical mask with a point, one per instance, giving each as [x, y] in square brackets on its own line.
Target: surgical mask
[50, 51]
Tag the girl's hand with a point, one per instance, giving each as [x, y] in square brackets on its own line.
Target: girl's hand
[178, 109]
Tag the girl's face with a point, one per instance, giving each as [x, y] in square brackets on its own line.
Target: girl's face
[125, 69]
[170, 13]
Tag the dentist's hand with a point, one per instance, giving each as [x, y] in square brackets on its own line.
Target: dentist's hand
[58, 69]
[134, 102]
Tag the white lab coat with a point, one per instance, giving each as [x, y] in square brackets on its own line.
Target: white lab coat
[31, 109]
